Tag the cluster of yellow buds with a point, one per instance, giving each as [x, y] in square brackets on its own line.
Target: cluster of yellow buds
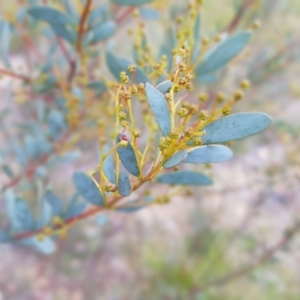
[58, 228]
[164, 143]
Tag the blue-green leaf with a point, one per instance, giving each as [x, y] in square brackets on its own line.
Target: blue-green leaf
[46, 246]
[99, 12]
[64, 32]
[224, 52]
[54, 202]
[135, 205]
[109, 167]
[209, 78]
[184, 178]
[131, 2]
[5, 37]
[235, 127]
[102, 32]
[45, 215]
[49, 15]
[32, 147]
[117, 65]
[88, 189]
[58, 21]
[208, 154]
[149, 13]
[74, 207]
[197, 37]
[102, 219]
[124, 186]
[159, 107]
[128, 158]
[56, 124]
[8, 171]
[165, 86]
[98, 86]
[175, 160]
[19, 213]
[4, 237]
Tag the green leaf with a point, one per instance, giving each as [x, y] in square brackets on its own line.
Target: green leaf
[128, 159]
[159, 107]
[184, 178]
[102, 32]
[117, 65]
[175, 160]
[131, 2]
[165, 86]
[88, 189]
[224, 52]
[235, 127]
[208, 154]
[124, 186]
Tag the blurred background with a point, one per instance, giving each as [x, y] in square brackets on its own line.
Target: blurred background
[236, 240]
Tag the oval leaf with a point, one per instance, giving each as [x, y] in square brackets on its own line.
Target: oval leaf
[49, 15]
[4, 237]
[224, 52]
[160, 109]
[208, 154]
[128, 159]
[117, 65]
[45, 246]
[102, 32]
[131, 2]
[184, 178]
[175, 160]
[165, 86]
[236, 126]
[135, 205]
[124, 187]
[88, 189]
[54, 202]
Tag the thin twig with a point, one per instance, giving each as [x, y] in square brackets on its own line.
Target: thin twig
[15, 76]
[83, 19]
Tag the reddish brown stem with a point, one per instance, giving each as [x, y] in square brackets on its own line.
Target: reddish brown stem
[83, 19]
[238, 16]
[14, 75]
[124, 15]
[69, 59]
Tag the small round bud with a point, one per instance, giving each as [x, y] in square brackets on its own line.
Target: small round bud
[203, 97]
[245, 85]
[256, 24]
[238, 95]
[123, 144]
